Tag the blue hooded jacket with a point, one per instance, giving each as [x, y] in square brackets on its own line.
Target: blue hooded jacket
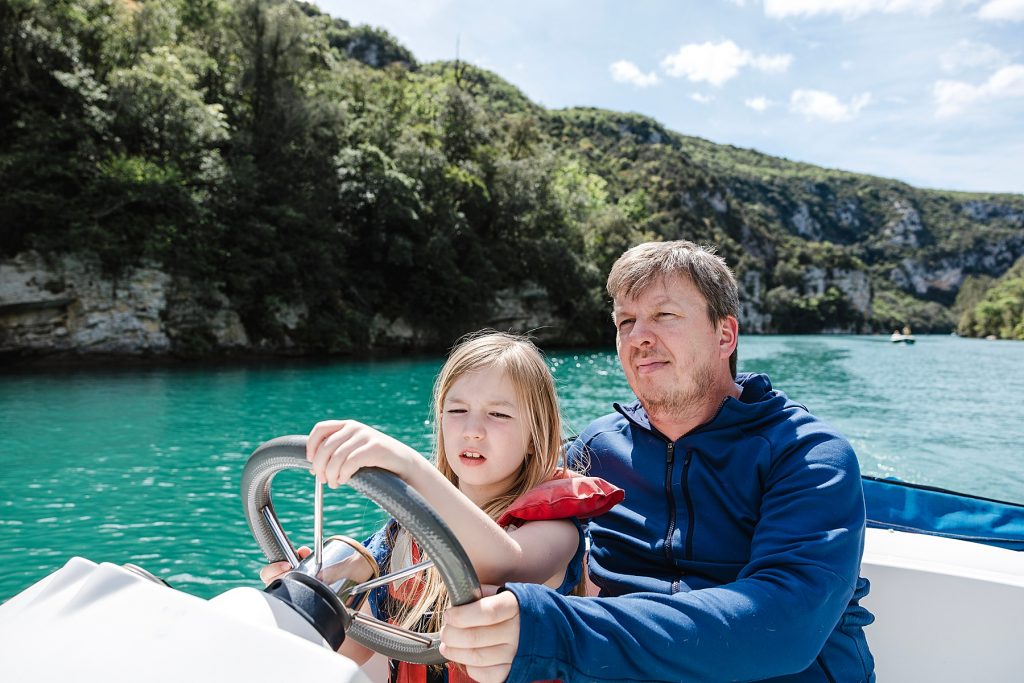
[735, 555]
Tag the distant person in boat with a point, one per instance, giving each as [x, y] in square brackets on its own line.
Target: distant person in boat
[736, 553]
[498, 483]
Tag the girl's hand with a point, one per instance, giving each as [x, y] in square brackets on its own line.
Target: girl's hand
[336, 449]
[271, 571]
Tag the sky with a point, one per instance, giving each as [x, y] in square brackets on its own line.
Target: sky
[930, 92]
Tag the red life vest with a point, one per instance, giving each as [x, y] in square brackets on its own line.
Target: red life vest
[564, 496]
[567, 495]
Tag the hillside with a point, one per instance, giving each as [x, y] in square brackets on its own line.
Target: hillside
[258, 177]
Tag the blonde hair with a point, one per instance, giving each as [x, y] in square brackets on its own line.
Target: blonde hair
[525, 367]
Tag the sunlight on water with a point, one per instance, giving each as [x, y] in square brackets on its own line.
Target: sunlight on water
[144, 466]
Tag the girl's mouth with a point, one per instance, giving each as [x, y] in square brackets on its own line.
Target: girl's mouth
[472, 457]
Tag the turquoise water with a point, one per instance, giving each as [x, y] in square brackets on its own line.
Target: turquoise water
[143, 465]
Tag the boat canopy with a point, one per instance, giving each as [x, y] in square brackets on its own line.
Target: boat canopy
[899, 505]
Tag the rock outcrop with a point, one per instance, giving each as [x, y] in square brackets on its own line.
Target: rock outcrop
[67, 305]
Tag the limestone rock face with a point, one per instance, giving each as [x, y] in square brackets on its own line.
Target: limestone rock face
[201, 312]
[946, 274]
[66, 304]
[716, 200]
[903, 229]
[752, 316]
[855, 284]
[986, 211]
[527, 309]
[522, 310]
[805, 224]
[396, 333]
[847, 213]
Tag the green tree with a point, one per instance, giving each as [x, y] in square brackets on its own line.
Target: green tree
[158, 112]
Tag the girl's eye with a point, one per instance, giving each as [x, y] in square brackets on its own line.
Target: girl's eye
[501, 415]
[455, 411]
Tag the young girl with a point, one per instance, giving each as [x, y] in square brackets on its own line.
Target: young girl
[497, 484]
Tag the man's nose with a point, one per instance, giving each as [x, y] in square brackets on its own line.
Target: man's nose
[641, 334]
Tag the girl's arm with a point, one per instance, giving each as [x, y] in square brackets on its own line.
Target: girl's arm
[536, 553]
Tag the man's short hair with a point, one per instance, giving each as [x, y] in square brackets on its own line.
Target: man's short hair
[650, 262]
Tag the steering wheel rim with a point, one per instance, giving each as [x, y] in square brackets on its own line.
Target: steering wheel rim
[399, 500]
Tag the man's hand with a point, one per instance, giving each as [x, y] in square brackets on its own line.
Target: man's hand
[484, 636]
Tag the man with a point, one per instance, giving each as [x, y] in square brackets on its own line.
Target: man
[736, 553]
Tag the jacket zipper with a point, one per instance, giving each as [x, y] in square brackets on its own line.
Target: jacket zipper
[669, 458]
[685, 485]
[688, 547]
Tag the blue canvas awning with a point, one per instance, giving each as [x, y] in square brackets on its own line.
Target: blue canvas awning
[894, 504]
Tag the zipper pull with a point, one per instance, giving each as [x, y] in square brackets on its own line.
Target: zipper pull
[670, 456]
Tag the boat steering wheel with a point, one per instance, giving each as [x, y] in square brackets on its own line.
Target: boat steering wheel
[398, 499]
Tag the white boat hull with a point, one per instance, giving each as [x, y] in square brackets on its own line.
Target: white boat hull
[945, 609]
[89, 622]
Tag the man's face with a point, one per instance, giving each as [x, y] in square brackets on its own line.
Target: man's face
[671, 353]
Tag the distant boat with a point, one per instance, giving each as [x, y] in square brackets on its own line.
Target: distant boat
[900, 338]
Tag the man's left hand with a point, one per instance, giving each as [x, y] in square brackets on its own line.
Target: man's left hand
[484, 636]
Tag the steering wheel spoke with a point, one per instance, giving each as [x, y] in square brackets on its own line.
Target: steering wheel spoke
[393, 576]
[384, 627]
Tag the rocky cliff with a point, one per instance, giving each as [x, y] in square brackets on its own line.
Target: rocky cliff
[66, 306]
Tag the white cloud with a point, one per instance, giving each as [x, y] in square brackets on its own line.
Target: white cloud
[952, 97]
[628, 72]
[716, 63]
[701, 98]
[849, 9]
[818, 104]
[758, 103]
[970, 55]
[771, 63]
[1002, 10]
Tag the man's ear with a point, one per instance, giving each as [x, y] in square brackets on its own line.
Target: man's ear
[728, 335]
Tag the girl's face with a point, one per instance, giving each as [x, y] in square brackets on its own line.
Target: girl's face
[486, 437]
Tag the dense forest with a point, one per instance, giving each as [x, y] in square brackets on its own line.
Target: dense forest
[990, 308]
[319, 178]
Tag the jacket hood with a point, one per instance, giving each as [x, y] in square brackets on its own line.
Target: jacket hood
[757, 399]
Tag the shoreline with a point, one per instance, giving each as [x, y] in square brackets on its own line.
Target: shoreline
[15, 362]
